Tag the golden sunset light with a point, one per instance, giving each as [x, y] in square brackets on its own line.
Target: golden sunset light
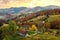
[27, 3]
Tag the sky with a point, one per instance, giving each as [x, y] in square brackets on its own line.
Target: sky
[27, 3]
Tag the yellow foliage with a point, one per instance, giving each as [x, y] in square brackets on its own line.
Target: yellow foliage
[34, 28]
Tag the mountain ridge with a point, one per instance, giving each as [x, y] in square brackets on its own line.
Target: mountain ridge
[26, 10]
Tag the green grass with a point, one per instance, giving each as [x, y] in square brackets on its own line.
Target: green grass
[51, 17]
[42, 37]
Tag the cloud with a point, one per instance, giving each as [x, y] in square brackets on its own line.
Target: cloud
[4, 1]
[27, 3]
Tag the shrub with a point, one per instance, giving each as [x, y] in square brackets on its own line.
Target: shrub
[55, 24]
[9, 32]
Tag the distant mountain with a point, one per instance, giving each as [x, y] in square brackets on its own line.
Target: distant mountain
[11, 10]
[31, 10]
[38, 8]
[16, 10]
[51, 7]
[25, 9]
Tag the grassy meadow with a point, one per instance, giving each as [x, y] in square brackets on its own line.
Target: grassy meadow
[9, 31]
